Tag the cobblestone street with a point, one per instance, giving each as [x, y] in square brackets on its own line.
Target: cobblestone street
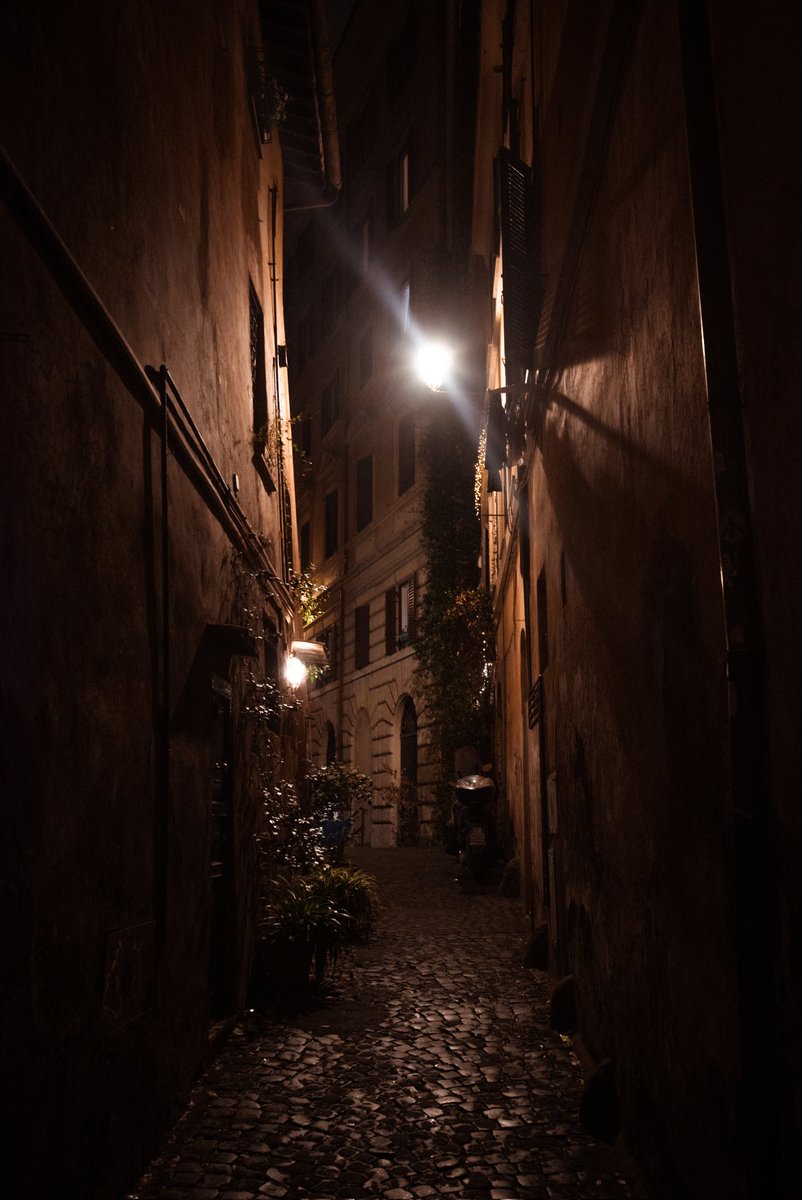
[431, 1071]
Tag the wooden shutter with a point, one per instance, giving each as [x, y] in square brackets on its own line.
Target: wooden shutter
[518, 258]
[411, 583]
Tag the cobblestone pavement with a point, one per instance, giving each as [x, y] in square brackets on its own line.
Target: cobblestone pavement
[430, 1071]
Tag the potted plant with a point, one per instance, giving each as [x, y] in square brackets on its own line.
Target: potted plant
[300, 924]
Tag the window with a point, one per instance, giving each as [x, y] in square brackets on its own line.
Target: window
[519, 250]
[332, 536]
[305, 544]
[361, 636]
[330, 403]
[365, 357]
[304, 443]
[398, 187]
[399, 616]
[258, 374]
[329, 302]
[406, 612]
[405, 305]
[304, 340]
[364, 491]
[330, 639]
[542, 622]
[359, 137]
[406, 453]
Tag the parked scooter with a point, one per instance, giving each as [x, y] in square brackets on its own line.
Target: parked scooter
[474, 824]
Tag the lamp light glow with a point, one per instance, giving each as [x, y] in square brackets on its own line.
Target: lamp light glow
[433, 363]
[294, 671]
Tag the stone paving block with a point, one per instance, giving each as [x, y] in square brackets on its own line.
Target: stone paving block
[430, 1071]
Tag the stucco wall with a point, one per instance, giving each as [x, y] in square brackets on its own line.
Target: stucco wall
[635, 680]
[131, 129]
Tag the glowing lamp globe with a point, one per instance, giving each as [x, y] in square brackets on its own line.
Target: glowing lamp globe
[433, 363]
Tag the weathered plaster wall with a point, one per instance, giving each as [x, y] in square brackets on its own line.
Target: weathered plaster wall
[131, 128]
[635, 678]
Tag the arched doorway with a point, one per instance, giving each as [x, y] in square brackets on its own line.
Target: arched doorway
[363, 761]
[408, 830]
[409, 742]
[331, 743]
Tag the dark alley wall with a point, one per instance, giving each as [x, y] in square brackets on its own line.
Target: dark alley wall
[662, 897]
[132, 128]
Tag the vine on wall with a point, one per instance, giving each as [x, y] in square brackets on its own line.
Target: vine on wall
[454, 636]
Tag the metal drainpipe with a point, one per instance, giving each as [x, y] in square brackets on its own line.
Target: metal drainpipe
[327, 110]
[163, 817]
[279, 438]
[754, 868]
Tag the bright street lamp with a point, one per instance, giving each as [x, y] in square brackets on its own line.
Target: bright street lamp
[294, 671]
[433, 363]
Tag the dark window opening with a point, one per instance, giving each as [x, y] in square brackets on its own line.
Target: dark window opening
[304, 341]
[359, 137]
[258, 370]
[406, 453]
[330, 404]
[365, 357]
[361, 636]
[305, 544]
[364, 492]
[399, 616]
[409, 745]
[332, 516]
[331, 640]
[329, 302]
[304, 443]
[399, 187]
[542, 622]
[390, 635]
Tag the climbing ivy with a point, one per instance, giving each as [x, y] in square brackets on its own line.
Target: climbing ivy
[454, 635]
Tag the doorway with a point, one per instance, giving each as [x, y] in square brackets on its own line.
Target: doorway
[222, 923]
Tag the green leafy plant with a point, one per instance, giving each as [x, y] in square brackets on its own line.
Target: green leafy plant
[307, 594]
[338, 787]
[289, 841]
[353, 893]
[454, 636]
[300, 924]
[308, 921]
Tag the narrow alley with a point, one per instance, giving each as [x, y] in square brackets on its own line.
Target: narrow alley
[431, 1071]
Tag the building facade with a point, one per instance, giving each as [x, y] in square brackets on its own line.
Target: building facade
[369, 276]
[638, 507]
[149, 538]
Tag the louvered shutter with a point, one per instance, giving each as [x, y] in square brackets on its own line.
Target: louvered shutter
[519, 259]
[496, 444]
[412, 608]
